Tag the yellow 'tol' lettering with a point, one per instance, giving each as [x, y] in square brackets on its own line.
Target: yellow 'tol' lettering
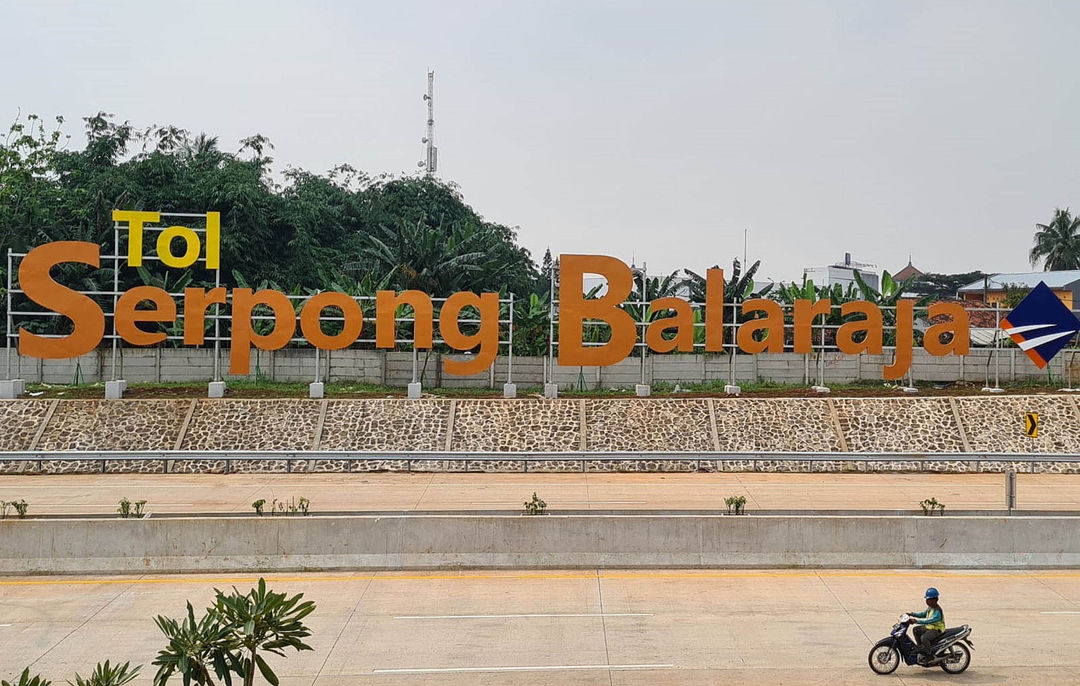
[135, 221]
[164, 246]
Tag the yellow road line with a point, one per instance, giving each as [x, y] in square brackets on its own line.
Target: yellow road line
[646, 575]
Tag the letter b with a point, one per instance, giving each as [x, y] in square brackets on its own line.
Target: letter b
[574, 309]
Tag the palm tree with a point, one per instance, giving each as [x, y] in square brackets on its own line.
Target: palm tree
[1057, 243]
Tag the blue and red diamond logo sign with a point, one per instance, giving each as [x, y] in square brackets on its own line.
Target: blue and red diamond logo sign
[1041, 325]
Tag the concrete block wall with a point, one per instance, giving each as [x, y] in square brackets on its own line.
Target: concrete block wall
[222, 544]
[395, 368]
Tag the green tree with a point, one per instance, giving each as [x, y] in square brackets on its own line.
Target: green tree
[26, 680]
[739, 286]
[105, 674]
[944, 286]
[266, 621]
[1057, 243]
[197, 649]
[307, 231]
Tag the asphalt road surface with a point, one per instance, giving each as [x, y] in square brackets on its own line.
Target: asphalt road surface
[574, 627]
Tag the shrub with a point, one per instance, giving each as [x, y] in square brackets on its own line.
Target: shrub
[105, 674]
[228, 639]
[736, 504]
[931, 504]
[258, 505]
[536, 506]
[26, 680]
[131, 509]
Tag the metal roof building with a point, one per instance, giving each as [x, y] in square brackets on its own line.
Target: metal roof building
[1064, 280]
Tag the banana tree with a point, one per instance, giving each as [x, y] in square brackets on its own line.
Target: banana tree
[738, 287]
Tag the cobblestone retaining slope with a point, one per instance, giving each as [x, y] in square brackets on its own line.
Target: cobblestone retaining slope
[726, 425]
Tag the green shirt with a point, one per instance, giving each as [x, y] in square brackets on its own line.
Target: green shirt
[931, 618]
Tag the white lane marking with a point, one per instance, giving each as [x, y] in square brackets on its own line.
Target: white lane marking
[539, 668]
[5, 625]
[567, 614]
[1061, 612]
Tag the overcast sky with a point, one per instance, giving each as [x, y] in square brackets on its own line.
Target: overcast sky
[659, 130]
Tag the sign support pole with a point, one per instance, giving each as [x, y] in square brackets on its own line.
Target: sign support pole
[509, 388]
[116, 289]
[10, 322]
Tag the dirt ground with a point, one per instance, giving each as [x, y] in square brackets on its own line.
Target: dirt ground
[252, 390]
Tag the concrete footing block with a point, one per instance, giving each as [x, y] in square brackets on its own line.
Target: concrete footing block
[415, 389]
[551, 391]
[642, 390]
[732, 389]
[509, 390]
[114, 390]
[821, 389]
[10, 389]
[315, 390]
[215, 389]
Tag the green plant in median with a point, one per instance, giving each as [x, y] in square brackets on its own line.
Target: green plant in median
[105, 674]
[26, 680]
[735, 504]
[262, 620]
[931, 504]
[303, 505]
[536, 506]
[228, 640]
[197, 650]
[20, 507]
[130, 509]
[258, 505]
[4, 507]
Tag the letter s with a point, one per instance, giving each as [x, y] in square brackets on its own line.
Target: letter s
[38, 285]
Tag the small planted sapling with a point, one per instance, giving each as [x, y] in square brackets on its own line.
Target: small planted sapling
[536, 506]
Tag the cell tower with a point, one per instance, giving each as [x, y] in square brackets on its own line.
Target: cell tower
[431, 153]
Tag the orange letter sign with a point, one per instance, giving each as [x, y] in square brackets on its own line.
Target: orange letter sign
[242, 335]
[574, 309]
[487, 338]
[87, 317]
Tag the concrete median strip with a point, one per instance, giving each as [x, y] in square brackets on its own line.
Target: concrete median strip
[446, 542]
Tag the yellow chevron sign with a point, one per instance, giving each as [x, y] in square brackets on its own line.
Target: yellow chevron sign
[1031, 424]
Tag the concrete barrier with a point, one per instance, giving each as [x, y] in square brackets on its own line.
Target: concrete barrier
[85, 546]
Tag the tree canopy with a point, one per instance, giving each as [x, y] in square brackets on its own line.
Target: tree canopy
[300, 231]
[1057, 243]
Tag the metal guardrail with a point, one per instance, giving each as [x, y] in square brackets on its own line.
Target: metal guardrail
[754, 458]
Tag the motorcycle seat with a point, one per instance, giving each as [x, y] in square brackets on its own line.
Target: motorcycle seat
[955, 631]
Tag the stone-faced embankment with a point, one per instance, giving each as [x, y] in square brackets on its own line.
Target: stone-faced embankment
[375, 434]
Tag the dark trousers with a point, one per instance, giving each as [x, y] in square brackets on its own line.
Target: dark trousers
[924, 639]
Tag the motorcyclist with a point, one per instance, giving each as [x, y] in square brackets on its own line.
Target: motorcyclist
[930, 625]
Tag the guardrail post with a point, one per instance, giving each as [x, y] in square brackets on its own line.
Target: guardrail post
[1010, 490]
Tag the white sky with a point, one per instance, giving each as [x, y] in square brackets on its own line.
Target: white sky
[660, 129]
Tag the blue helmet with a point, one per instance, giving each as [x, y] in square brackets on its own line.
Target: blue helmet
[931, 592]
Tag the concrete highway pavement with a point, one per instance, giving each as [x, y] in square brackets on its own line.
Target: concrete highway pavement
[575, 627]
[380, 492]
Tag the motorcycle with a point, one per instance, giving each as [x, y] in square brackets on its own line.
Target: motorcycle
[951, 652]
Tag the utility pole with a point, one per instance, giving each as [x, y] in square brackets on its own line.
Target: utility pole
[431, 153]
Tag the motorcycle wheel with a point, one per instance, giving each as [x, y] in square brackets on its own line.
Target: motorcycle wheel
[959, 665]
[884, 659]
